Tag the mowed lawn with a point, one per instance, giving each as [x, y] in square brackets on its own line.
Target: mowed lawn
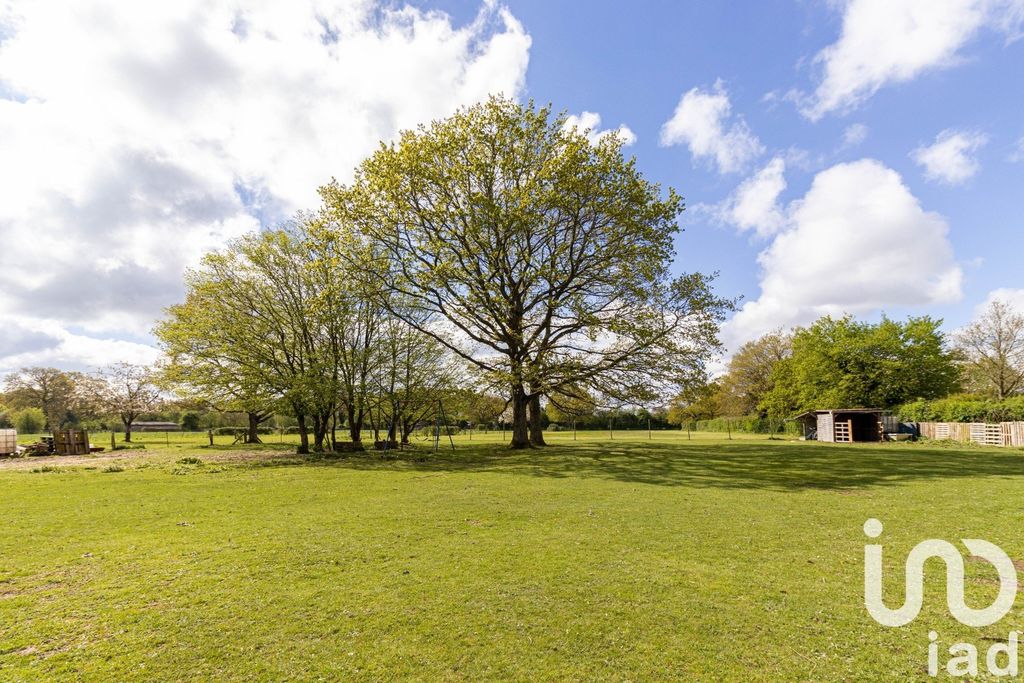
[631, 559]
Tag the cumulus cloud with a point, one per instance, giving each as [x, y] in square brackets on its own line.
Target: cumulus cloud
[858, 241]
[16, 340]
[894, 41]
[135, 137]
[703, 122]
[950, 159]
[590, 123]
[29, 341]
[1008, 295]
[755, 203]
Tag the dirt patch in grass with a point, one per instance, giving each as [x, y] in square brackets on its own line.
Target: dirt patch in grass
[30, 463]
[128, 459]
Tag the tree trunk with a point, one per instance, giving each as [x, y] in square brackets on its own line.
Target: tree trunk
[318, 444]
[321, 425]
[393, 426]
[355, 425]
[303, 433]
[254, 426]
[536, 426]
[520, 431]
[406, 429]
[127, 431]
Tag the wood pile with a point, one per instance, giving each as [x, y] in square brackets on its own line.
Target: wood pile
[37, 448]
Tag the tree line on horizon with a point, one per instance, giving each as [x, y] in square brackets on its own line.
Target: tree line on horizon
[911, 367]
[34, 399]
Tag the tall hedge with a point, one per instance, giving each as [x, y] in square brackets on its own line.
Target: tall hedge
[751, 424]
[964, 408]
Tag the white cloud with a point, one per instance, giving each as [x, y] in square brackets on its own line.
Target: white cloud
[854, 135]
[755, 203]
[702, 121]
[590, 123]
[136, 136]
[1008, 295]
[894, 41]
[950, 158]
[27, 342]
[858, 241]
[1018, 151]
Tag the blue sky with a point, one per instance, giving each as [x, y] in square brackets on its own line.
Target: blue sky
[632, 66]
[859, 156]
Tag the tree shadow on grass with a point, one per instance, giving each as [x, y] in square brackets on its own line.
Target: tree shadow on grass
[752, 465]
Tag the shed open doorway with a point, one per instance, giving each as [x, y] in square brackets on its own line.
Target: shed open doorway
[849, 425]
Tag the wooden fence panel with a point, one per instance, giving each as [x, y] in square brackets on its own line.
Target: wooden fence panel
[1013, 433]
[976, 431]
[994, 435]
[960, 431]
[986, 434]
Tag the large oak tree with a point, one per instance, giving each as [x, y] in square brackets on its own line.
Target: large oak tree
[546, 256]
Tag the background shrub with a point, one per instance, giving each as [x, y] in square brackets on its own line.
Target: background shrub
[29, 421]
[751, 424]
[963, 408]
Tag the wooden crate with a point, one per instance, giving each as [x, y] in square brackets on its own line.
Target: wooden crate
[70, 442]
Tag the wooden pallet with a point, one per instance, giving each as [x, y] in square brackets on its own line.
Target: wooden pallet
[986, 434]
[70, 442]
[843, 431]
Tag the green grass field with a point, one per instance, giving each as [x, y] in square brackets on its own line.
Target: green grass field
[631, 559]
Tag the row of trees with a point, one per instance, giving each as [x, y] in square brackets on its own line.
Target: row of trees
[87, 401]
[285, 321]
[47, 398]
[498, 249]
[848, 363]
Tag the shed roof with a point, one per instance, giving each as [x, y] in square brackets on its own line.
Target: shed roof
[866, 411]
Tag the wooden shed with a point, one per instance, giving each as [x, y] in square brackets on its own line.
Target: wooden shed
[846, 425]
